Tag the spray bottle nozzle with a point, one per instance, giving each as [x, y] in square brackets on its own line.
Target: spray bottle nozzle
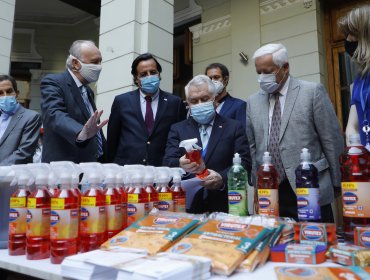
[266, 158]
[190, 145]
[305, 155]
[237, 159]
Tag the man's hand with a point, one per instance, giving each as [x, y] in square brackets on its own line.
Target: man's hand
[213, 181]
[191, 167]
[91, 127]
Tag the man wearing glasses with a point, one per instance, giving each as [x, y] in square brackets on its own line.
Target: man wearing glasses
[19, 127]
[141, 119]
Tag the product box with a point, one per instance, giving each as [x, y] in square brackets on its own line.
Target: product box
[315, 233]
[362, 236]
[298, 253]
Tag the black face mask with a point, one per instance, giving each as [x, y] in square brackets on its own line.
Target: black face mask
[350, 47]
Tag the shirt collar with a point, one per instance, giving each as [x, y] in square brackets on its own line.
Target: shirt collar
[154, 96]
[77, 81]
[284, 89]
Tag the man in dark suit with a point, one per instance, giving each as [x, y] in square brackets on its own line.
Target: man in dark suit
[227, 106]
[220, 139]
[71, 122]
[141, 119]
[19, 127]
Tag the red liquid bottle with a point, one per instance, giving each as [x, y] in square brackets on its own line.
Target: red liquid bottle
[38, 219]
[138, 200]
[18, 217]
[267, 188]
[165, 195]
[178, 193]
[121, 190]
[355, 168]
[148, 183]
[64, 222]
[93, 216]
[113, 200]
[193, 154]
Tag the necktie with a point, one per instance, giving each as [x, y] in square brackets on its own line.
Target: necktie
[90, 109]
[149, 119]
[204, 135]
[273, 146]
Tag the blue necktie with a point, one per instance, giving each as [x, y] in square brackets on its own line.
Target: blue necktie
[90, 109]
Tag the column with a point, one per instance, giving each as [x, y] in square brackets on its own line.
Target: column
[129, 28]
[7, 8]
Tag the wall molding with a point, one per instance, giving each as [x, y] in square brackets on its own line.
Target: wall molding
[28, 56]
[215, 25]
[188, 14]
[268, 6]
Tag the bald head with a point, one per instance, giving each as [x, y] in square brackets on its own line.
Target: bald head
[83, 50]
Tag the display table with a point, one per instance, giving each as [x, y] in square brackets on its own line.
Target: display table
[45, 270]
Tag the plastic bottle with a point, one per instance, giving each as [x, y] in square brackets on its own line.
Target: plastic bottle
[307, 189]
[38, 214]
[148, 182]
[165, 197]
[237, 188]
[52, 183]
[178, 193]
[355, 168]
[121, 188]
[113, 200]
[18, 212]
[193, 153]
[64, 219]
[138, 199]
[93, 216]
[268, 188]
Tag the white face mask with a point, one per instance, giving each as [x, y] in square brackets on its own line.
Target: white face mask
[90, 72]
[268, 82]
[219, 86]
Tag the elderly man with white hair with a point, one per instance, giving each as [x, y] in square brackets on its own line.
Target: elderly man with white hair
[219, 137]
[285, 116]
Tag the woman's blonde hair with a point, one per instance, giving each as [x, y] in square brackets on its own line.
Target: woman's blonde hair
[357, 24]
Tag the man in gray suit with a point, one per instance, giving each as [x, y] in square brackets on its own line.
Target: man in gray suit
[303, 118]
[19, 127]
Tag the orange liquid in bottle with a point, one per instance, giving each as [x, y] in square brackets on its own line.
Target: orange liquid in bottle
[165, 197]
[355, 169]
[38, 224]
[113, 199]
[123, 194]
[64, 223]
[195, 156]
[138, 204]
[18, 222]
[92, 234]
[178, 195]
[153, 197]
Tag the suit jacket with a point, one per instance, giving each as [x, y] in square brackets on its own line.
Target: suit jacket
[234, 108]
[63, 115]
[19, 141]
[308, 121]
[128, 139]
[227, 138]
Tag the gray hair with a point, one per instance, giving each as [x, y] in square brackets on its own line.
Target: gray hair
[278, 51]
[201, 80]
[76, 49]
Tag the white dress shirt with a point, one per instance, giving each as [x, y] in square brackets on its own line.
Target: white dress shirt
[155, 99]
[282, 98]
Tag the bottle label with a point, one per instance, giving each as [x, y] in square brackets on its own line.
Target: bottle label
[17, 220]
[88, 201]
[308, 204]
[133, 198]
[179, 205]
[313, 234]
[238, 202]
[64, 224]
[57, 203]
[31, 202]
[18, 202]
[38, 221]
[136, 211]
[114, 217]
[165, 202]
[153, 204]
[93, 219]
[268, 202]
[356, 199]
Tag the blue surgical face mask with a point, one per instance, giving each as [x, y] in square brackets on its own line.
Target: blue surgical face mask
[8, 103]
[268, 82]
[150, 84]
[203, 113]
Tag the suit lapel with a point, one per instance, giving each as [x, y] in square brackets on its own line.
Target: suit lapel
[217, 130]
[12, 124]
[162, 107]
[77, 95]
[264, 111]
[227, 106]
[290, 99]
[135, 103]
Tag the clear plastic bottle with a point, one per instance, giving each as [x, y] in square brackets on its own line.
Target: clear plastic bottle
[307, 189]
[38, 215]
[165, 196]
[138, 199]
[178, 192]
[237, 188]
[267, 188]
[120, 186]
[148, 182]
[93, 215]
[64, 220]
[355, 168]
[18, 213]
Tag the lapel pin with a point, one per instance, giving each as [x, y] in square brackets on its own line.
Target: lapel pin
[165, 99]
[220, 126]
